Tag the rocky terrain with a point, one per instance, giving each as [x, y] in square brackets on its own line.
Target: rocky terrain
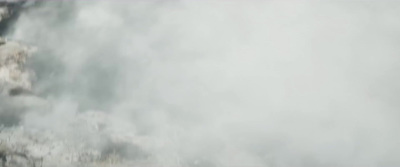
[27, 147]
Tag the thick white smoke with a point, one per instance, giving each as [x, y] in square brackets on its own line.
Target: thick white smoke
[218, 83]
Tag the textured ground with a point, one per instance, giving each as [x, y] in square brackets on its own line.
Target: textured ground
[41, 147]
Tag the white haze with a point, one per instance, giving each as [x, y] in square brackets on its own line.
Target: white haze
[221, 83]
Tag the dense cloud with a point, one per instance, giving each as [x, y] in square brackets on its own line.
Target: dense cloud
[218, 83]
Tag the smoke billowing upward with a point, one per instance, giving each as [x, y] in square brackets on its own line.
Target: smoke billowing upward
[218, 83]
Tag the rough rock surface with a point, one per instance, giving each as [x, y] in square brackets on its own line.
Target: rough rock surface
[14, 77]
[46, 148]
[40, 147]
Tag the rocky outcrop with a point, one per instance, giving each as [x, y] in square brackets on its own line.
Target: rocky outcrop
[100, 141]
[27, 147]
[15, 79]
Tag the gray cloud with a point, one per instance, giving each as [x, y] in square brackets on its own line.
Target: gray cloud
[211, 83]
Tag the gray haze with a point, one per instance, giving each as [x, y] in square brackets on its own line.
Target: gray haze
[221, 83]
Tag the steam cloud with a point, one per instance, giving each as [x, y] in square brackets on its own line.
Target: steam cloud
[218, 83]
